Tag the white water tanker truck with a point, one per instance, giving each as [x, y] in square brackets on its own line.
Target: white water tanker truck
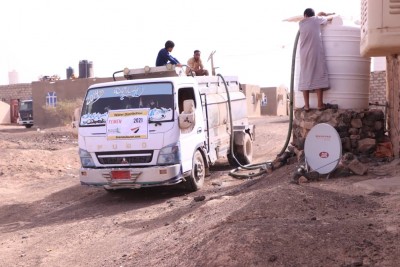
[160, 127]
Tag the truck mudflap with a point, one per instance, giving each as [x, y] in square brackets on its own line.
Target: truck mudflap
[118, 178]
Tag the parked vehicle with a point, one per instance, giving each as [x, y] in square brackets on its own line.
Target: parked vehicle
[25, 113]
[161, 127]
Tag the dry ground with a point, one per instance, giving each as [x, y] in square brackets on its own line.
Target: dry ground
[48, 219]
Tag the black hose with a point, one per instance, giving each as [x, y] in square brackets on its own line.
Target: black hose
[190, 69]
[262, 166]
[291, 94]
[116, 73]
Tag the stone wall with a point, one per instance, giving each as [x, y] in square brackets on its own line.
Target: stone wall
[362, 132]
[22, 91]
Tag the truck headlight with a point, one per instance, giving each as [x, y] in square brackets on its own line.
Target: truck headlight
[86, 159]
[170, 154]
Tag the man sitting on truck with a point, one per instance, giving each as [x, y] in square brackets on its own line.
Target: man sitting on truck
[196, 65]
[164, 57]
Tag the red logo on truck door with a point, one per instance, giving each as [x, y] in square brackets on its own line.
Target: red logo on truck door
[323, 154]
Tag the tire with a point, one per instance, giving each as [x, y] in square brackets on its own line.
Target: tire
[196, 179]
[232, 161]
[247, 150]
[28, 125]
[243, 153]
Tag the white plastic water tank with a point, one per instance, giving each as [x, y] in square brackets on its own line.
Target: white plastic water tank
[349, 73]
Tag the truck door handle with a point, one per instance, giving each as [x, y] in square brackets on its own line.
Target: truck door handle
[199, 130]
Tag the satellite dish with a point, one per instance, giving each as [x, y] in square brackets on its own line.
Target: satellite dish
[323, 148]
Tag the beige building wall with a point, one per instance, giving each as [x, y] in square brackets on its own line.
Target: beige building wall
[5, 116]
[276, 101]
[253, 98]
[64, 89]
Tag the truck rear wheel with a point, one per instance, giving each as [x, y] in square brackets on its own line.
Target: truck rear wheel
[243, 153]
[232, 162]
[246, 151]
[196, 179]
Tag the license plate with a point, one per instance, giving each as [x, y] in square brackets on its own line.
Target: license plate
[120, 175]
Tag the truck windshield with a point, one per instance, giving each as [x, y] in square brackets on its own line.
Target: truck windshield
[157, 97]
[25, 106]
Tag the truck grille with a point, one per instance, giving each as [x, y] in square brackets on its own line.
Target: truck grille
[25, 115]
[128, 157]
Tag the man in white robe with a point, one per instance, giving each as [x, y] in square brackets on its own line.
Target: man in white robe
[313, 68]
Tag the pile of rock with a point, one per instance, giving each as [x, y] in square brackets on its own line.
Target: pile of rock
[362, 132]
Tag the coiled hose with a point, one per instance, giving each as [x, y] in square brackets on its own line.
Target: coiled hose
[264, 166]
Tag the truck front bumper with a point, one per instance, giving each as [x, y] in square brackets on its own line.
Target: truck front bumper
[26, 122]
[136, 177]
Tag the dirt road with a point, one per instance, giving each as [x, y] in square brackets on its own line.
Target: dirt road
[48, 219]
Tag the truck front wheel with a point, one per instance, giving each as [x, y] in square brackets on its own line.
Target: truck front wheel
[196, 179]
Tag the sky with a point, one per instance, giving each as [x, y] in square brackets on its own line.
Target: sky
[250, 39]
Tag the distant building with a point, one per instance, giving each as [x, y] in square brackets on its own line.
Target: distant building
[13, 77]
[70, 73]
[86, 69]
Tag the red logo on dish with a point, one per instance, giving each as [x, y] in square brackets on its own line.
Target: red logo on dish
[323, 155]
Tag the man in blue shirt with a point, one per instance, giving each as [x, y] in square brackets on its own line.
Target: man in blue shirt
[163, 57]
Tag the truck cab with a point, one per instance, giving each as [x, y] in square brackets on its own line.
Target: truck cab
[25, 113]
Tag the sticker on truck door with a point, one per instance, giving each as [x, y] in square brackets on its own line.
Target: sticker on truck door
[127, 124]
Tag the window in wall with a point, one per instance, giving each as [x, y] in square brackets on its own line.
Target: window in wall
[51, 99]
